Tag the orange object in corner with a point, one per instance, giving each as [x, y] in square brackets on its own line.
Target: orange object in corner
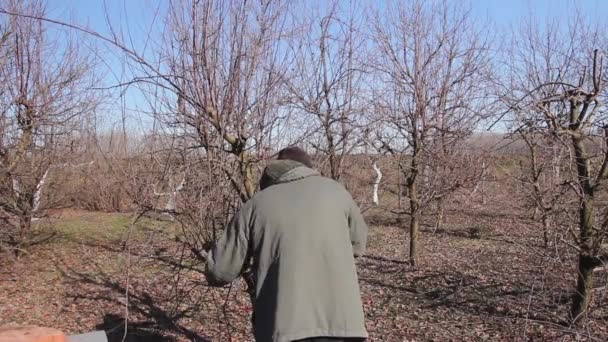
[30, 333]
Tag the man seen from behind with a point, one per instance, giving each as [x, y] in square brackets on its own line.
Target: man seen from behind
[303, 232]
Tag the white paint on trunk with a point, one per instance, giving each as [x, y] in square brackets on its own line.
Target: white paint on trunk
[171, 202]
[16, 187]
[173, 196]
[375, 199]
[36, 202]
[480, 182]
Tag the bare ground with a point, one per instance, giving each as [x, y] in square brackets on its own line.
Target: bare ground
[483, 276]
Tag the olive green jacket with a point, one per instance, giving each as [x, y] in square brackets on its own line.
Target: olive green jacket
[303, 231]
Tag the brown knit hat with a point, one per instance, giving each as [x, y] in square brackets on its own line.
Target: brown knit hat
[296, 154]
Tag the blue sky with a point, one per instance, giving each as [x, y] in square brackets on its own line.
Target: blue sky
[137, 16]
[502, 12]
[510, 12]
[131, 17]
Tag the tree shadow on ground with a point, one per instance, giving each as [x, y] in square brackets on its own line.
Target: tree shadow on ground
[492, 214]
[382, 265]
[157, 254]
[384, 220]
[114, 326]
[381, 258]
[378, 283]
[148, 317]
[453, 290]
[481, 233]
[463, 232]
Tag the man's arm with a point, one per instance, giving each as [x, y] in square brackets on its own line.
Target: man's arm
[358, 229]
[226, 259]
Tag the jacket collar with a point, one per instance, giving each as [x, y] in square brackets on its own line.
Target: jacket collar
[284, 171]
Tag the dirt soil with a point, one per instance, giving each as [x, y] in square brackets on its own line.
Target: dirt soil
[484, 276]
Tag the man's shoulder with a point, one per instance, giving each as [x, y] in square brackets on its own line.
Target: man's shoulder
[313, 183]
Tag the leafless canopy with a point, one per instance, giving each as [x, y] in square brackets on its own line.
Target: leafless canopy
[431, 69]
[45, 95]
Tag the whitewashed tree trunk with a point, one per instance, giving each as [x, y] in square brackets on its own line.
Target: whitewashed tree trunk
[480, 186]
[16, 187]
[38, 192]
[557, 163]
[483, 183]
[375, 199]
[40, 185]
[170, 206]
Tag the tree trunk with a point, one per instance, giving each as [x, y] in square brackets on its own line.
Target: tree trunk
[333, 166]
[546, 229]
[375, 198]
[414, 223]
[483, 190]
[399, 188]
[25, 225]
[440, 213]
[249, 182]
[414, 240]
[584, 287]
[414, 200]
[247, 174]
[586, 263]
[116, 200]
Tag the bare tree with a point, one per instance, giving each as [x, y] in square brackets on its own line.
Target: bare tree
[541, 172]
[326, 79]
[213, 84]
[46, 91]
[224, 62]
[558, 78]
[450, 167]
[431, 65]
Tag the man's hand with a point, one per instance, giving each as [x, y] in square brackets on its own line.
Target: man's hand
[204, 256]
[201, 255]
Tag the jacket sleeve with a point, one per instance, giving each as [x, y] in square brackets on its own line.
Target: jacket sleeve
[228, 256]
[358, 229]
